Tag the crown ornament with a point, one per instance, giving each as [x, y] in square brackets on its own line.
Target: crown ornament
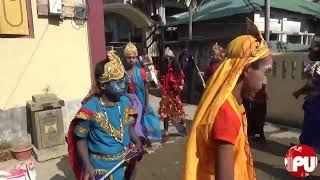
[130, 50]
[113, 70]
[216, 48]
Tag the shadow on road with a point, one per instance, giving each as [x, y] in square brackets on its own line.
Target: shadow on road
[271, 147]
[64, 166]
[276, 173]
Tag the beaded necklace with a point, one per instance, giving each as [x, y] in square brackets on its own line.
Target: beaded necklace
[104, 107]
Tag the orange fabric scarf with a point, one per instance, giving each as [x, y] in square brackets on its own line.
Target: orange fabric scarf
[199, 164]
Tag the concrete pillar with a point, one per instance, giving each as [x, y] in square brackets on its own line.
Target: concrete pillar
[307, 40]
[267, 20]
[284, 37]
[281, 37]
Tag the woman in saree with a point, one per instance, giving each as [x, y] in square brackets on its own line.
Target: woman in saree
[218, 147]
[148, 124]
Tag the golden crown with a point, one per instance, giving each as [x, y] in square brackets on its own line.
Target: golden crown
[130, 50]
[216, 48]
[113, 70]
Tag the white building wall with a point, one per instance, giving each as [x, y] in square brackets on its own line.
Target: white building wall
[284, 24]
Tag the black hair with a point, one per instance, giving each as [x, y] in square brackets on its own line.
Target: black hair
[176, 67]
[316, 44]
[185, 54]
[315, 55]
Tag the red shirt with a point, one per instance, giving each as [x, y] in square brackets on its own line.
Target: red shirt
[226, 125]
[131, 85]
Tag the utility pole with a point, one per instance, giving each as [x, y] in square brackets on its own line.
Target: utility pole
[191, 4]
[190, 21]
[162, 63]
[267, 21]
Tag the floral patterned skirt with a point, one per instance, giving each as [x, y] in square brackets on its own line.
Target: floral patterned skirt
[171, 108]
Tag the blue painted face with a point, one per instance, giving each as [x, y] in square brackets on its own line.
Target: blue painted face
[117, 88]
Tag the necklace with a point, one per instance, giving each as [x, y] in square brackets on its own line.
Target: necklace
[113, 130]
[129, 73]
[104, 106]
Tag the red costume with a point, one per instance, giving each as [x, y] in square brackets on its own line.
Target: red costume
[170, 104]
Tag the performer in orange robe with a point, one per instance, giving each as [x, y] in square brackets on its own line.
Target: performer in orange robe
[218, 148]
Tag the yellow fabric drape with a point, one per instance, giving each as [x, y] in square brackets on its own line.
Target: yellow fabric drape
[13, 17]
[241, 51]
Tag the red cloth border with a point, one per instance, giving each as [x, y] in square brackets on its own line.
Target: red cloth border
[131, 85]
[75, 162]
[87, 111]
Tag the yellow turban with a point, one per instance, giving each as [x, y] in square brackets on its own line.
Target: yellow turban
[242, 51]
[130, 50]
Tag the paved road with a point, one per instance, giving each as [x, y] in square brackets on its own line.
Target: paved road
[166, 162]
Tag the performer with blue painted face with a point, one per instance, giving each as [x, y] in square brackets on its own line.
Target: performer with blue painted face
[99, 136]
[116, 89]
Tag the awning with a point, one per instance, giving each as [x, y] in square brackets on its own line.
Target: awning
[213, 9]
[299, 6]
[137, 17]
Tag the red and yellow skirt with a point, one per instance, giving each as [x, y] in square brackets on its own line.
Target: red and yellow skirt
[171, 108]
